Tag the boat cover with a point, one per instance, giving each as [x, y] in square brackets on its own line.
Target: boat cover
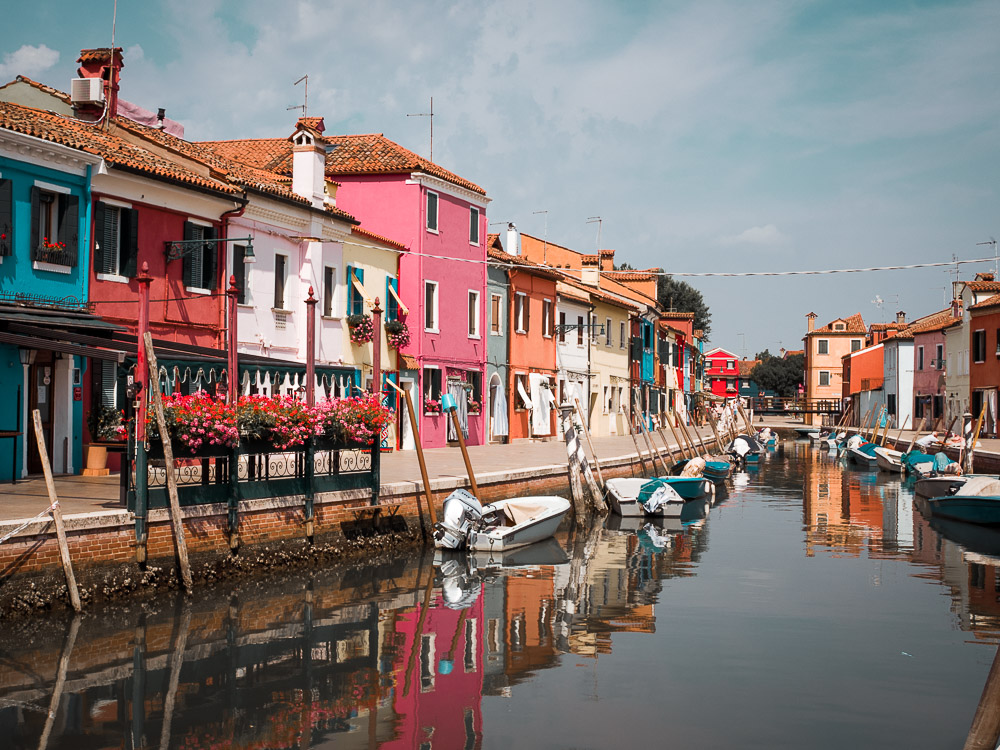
[524, 509]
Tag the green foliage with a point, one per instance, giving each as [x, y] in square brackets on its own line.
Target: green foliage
[783, 375]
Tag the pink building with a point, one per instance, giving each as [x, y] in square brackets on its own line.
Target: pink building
[929, 357]
[441, 218]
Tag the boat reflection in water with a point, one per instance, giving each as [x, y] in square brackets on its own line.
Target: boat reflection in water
[414, 652]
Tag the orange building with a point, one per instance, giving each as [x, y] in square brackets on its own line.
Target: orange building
[824, 352]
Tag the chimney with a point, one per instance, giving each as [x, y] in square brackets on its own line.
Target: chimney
[901, 318]
[607, 260]
[106, 64]
[161, 115]
[309, 159]
[590, 273]
[513, 239]
[810, 322]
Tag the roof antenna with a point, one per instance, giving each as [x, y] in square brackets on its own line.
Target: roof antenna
[431, 116]
[600, 222]
[305, 101]
[996, 259]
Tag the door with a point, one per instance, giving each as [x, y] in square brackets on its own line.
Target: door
[406, 438]
[41, 375]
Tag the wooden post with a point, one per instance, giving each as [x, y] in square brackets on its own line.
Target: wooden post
[653, 453]
[420, 455]
[573, 465]
[677, 438]
[176, 662]
[687, 435]
[715, 431]
[176, 521]
[57, 691]
[465, 451]
[665, 417]
[986, 721]
[975, 437]
[923, 421]
[631, 431]
[746, 419]
[67, 563]
[899, 436]
[586, 432]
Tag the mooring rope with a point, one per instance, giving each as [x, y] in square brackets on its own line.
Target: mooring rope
[28, 523]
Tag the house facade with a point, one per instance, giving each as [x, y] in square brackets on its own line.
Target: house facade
[958, 344]
[897, 352]
[824, 350]
[929, 358]
[499, 399]
[722, 372]
[984, 370]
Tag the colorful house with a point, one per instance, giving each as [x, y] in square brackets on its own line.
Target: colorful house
[722, 372]
[958, 341]
[499, 398]
[984, 371]
[441, 218]
[825, 349]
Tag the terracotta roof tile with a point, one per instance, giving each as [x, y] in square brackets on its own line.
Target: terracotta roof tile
[370, 153]
[993, 301]
[746, 366]
[98, 54]
[673, 315]
[934, 322]
[983, 286]
[629, 275]
[516, 260]
[853, 324]
[371, 235]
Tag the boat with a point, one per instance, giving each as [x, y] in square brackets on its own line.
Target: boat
[631, 496]
[977, 509]
[861, 453]
[888, 459]
[767, 438]
[745, 449]
[690, 488]
[808, 432]
[501, 525]
[945, 485]
[717, 468]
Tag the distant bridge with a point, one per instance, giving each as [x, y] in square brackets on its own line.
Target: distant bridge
[779, 405]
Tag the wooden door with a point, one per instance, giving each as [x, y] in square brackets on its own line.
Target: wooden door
[41, 376]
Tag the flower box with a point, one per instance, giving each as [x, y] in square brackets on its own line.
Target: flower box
[182, 451]
[361, 327]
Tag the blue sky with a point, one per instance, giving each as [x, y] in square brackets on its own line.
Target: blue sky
[709, 136]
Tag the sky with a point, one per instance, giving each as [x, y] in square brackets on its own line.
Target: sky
[707, 136]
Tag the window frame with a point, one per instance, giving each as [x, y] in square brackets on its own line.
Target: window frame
[428, 386]
[474, 225]
[624, 338]
[284, 284]
[432, 310]
[920, 358]
[608, 337]
[579, 330]
[496, 314]
[821, 374]
[329, 291]
[547, 327]
[239, 264]
[435, 229]
[207, 256]
[521, 314]
[979, 346]
[126, 249]
[822, 346]
[63, 212]
[475, 331]
[562, 327]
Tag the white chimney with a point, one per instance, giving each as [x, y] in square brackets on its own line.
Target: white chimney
[513, 239]
[309, 160]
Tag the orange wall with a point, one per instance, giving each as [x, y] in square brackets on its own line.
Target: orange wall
[533, 351]
[867, 364]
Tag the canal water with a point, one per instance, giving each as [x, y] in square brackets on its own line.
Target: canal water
[812, 607]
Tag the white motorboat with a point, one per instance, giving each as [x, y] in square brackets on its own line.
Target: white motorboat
[630, 496]
[950, 485]
[499, 526]
[888, 459]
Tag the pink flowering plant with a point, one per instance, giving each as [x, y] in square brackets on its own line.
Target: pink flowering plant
[474, 406]
[283, 421]
[397, 335]
[361, 327]
[196, 421]
[432, 406]
[358, 419]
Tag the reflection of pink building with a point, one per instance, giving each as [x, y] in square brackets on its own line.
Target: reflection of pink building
[438, 691]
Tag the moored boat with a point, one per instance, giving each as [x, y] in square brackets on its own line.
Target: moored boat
[717, 469]
[888, 459]
[501, 525]
[977, 509]
[638, 496]
[689, 488]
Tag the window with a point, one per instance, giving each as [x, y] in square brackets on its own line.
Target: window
[939, 353]
[730, 364]
[473, 226]
[647, 336]
[6, 218]
[391, 299]
[104, 382]
[473, 314]
[475, 379]
[622, 338]
[432, 212]
[824, 377]
[521, 320]
[562, 328]
[838, 326]
[116, 245]
[823, 346]
[547, 318]
[55, 220]
[607, 331]
[579, 330]
[522, 396]
[855, 345]
[329, 285]
[979, 345]
[355, 299]
[432, 385]
[920, 358]
[280, 265]
[431, 306]
[496, 306]
[241, 274]
[199, 268]
[593, 329]
[890, 404]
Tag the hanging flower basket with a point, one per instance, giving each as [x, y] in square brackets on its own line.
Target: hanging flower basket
[361, 327]
[397, 335]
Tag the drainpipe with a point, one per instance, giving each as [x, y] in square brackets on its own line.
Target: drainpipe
[224, 218]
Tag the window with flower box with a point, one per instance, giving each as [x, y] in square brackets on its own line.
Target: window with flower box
[355, 300]
[432, 389]
[55, 214]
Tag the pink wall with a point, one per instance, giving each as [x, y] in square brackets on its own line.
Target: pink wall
[928, 381]
[388, 205]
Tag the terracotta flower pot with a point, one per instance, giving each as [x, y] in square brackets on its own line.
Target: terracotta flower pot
[95, 460]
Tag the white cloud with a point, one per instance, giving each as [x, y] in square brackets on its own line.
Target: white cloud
[28, 60]
[768, 235]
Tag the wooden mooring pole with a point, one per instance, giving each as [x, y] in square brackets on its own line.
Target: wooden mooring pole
[420, 456]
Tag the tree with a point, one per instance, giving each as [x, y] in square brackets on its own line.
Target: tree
[679, 296]
[783, 375]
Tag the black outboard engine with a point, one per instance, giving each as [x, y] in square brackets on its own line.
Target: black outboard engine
[460, 513]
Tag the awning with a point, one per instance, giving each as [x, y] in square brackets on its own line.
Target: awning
[402, 308]
[52, 345]
[58, 329]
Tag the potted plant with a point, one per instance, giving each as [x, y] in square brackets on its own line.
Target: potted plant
[397, 335]
[432, 406]
[361, 328]
[356, 421]
[106, 425]
[475, 407]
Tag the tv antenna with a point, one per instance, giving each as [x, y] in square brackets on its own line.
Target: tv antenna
[600, 222]
[996, 259]
[431, 116]
[305, 100]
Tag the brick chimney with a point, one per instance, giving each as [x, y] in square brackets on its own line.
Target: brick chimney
[810, 322]
[985, 276]
[100, 63]
[607, 260]
[309, 159]
[901, 318]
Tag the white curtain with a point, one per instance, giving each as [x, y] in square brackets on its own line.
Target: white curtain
[500, 426]
[461, 396]
[541, 399]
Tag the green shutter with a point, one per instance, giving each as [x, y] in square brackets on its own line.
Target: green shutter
[350, 291]
[189, 232]
[210, 256]
[129, 242]
[69, 227]
[100, 217]
[391, 306]
[6, 218]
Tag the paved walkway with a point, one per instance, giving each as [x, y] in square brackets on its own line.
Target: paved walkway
[79, 494]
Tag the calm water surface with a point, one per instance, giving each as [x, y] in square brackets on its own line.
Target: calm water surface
[813, 607]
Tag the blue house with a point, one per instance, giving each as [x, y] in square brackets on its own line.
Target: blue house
[44, 318]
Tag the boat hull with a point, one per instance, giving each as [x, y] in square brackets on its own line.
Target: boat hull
[888, 460]
[982, 510]
[689, 488]
[940, 486]
[623, 493]
[540, 527]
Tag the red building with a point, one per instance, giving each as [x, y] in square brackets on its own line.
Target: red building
[984, 361]
[722, 372]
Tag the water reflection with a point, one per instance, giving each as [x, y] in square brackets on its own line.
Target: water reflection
[406, 654]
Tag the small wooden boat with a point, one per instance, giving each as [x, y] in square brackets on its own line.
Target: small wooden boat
[862, 455]
[629, 496]
[888, 459]
[501, 525]
[977, 509]
[938, 486]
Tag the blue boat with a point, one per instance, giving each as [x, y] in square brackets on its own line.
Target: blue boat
[688, 487]
[717, 470]
[977, 509]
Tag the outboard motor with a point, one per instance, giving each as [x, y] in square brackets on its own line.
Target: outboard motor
[460, 513]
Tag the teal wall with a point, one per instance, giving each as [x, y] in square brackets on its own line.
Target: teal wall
[11, 375]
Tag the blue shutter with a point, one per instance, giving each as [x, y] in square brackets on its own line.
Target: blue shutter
[391, 306]
[350, 291]
[355, 302]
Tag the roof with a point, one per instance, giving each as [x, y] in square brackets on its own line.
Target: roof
[934, 322]
[676, 315]
[371, 153]
[98, 54]
[41, 87]
[499, 256]
[628, 275]
[990, 302]
[793, 352]
[378, 237]
[983, 286]
[853, 324]
[746, 366]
